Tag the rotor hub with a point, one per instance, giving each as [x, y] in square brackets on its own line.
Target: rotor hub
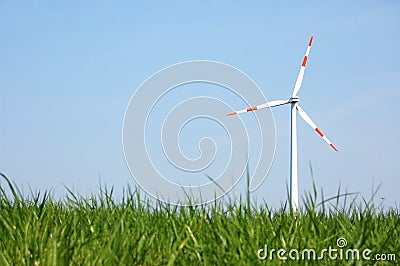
[294, 99]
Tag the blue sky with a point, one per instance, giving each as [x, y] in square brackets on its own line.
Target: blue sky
[69, 68]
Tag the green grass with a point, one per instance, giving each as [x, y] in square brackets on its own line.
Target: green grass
[37, 230]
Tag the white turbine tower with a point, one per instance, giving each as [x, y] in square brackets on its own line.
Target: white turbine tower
[294, 188]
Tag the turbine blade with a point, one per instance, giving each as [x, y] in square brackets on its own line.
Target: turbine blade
[261, 106]
[299, 80]
[314, 126]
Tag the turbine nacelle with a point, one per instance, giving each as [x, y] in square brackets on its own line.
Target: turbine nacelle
[294, 99]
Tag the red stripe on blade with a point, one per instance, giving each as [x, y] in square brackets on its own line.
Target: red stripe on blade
[319, 132]
[310, 43]
[251, 109]
[304, 61]
[333, 146]
[234, 113]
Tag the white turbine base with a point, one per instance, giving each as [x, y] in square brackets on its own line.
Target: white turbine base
[294, 185]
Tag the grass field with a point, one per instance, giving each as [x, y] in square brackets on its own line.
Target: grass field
[37, 230]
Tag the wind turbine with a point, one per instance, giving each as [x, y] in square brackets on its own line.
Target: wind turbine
[294, 188]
